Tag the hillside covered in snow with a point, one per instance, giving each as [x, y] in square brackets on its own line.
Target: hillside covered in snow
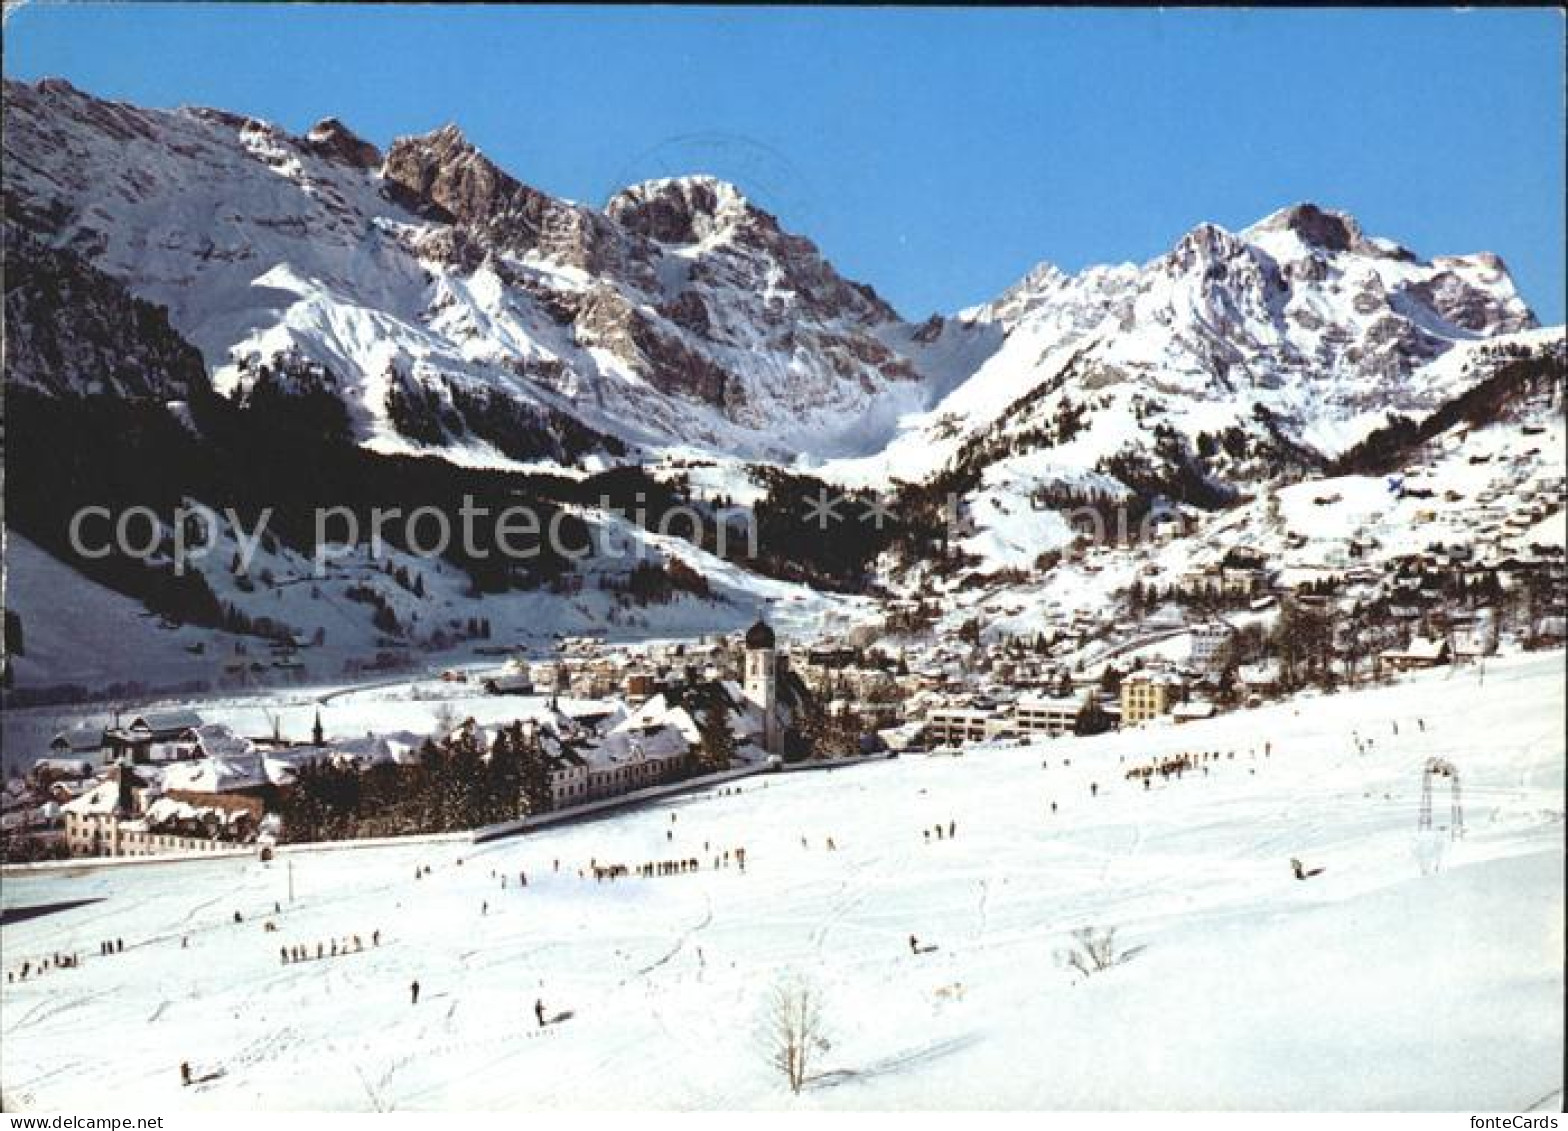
[1420, 969]
[448, 305]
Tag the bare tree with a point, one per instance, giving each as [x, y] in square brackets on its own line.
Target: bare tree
[446, 721]
[1094, 949]
[793, 1031]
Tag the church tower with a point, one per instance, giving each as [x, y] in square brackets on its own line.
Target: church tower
[761, 682]
[125, 798]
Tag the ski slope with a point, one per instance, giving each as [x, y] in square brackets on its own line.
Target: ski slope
[1416, 972]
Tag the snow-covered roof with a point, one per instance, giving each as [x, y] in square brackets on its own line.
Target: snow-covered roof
[625, 746]
[399, 746]
[69, 767]
[216, 775]
[165, 722]
[81, 739]
[1420, 648]
[216, 740]
[167, 809]
[101, 799]
[1049, 702]
[1266, 671]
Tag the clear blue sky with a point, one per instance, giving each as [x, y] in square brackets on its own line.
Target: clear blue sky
[937, 154]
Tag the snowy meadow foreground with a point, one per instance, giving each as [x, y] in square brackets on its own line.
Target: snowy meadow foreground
[1417, 971]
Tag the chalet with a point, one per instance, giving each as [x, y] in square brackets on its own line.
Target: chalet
[1421, 653]
[514, 683]
[1551, 629]
[77, 742]
[904, 737]
[134, 741]
[1192, 712]
[1259, 680]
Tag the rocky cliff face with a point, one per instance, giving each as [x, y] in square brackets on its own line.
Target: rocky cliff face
[680, 314]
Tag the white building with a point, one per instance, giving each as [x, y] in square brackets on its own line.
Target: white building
[954, 726]
[1052, 716]
[1208, 643]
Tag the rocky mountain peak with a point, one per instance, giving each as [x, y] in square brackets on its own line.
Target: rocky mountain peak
[54, 85]
[1331, 231]
[1205, 245]
[442, 175]
[690, 312]
[1327, 230]
[444, 168]
[682, 210]
[336, 142]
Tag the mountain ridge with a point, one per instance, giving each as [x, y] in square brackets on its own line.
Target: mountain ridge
[438, 297]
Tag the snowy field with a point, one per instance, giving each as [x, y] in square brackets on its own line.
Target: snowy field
[1417, 971]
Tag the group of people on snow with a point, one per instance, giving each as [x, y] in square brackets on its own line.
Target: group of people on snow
[351, 944]
[55, 961]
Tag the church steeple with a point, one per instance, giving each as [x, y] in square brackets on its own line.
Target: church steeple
[317, 736]
[125, 799]
[761, 681]
[760, 636]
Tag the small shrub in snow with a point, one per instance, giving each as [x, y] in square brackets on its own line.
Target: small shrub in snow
[1094, 949]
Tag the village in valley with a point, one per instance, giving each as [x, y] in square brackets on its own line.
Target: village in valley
[581, 724]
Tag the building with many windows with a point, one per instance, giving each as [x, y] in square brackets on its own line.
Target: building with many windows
[1208, 644]
[954, 726]
[1052, 716]
[1147, 695]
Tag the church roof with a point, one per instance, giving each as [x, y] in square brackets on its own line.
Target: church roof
[760, 636]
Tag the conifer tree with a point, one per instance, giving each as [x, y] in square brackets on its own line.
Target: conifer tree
[717, 748]
[538, 797]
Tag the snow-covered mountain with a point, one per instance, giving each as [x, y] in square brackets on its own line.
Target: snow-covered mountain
[1299, 329]
[1231, 360]
[449, 305]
